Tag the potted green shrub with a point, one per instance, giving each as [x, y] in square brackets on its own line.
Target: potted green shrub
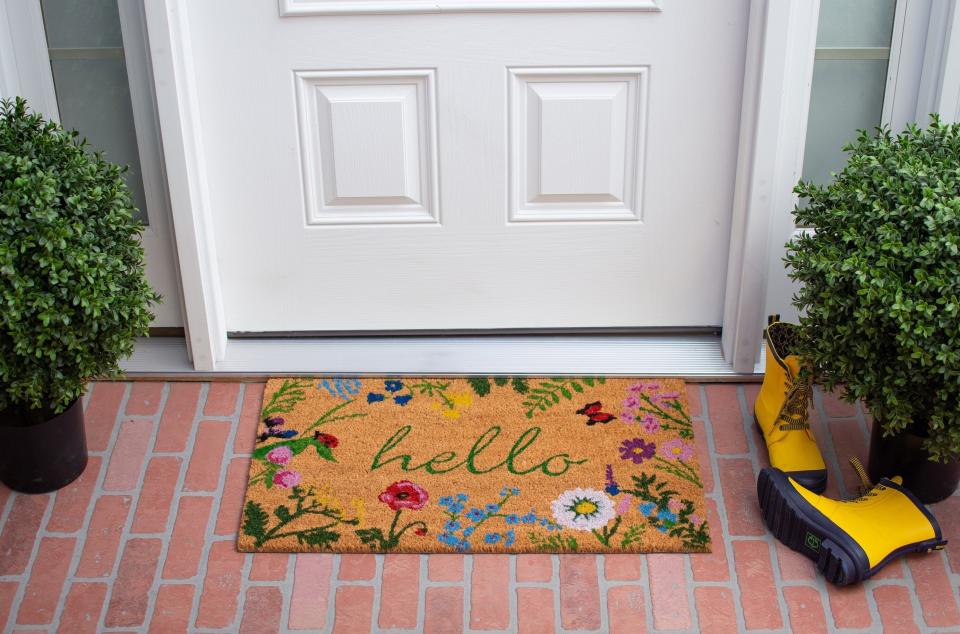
[880, 296]
[73, 295]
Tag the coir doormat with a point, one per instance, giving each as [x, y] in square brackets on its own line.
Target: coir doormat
[474, 464]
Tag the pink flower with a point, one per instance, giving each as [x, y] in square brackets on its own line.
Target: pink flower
[624, 504]
[650, 423]
[636, 388]
[286, 479]
[628, 416]
[280, 455]
[696, 520]
[676, 449]
[666, 396]
[631, 402]
[674, 505]
[404, 495]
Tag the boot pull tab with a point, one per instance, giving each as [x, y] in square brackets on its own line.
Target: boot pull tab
[865, 483]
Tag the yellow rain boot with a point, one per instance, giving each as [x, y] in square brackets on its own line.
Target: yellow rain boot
[849, 540]
[781, 410]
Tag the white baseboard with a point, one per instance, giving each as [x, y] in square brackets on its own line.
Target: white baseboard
[692, 357]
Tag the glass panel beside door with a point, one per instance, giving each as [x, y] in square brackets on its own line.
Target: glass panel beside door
[85, 45]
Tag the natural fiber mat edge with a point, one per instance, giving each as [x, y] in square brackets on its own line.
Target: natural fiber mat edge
[474, 464]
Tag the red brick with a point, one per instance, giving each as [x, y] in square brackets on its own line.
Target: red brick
[793, 565]
[806, 609]
[269, 567]
[622, 567]
[261, 610]
[47, 574]
[740, 497]
[727, 419]
[249, 418]
[750, 392]
[186, 543]
[8, 589]
[533, 568]
[354, 610]
[444, 610]
[231, 502]
[400, 589]
[144, 398]
[693, 400]
[103, 536]
[311, 592]
[579, 592]
[848, 607]
[715, 610]
[893, 570]
[626, 610]
[221, 586]
[948, 513]
[836, 408]
[357, 567]
[72, 501]
[178, 415]
[490, 592]
[172, 610]
[126, 458]
[221, 399]
[758, 591]
[848, 441]
[535, 614]
[100, 415]
[822, 433]
[703, 455]
[712, 566]
[81, 612]
[203, 474]
[20, 532]
[156, 496]
[130, 594]
[450, 567]
[896, 613]
[668, 590]
[933, 589]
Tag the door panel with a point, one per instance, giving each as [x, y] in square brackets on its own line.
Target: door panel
[470, 170]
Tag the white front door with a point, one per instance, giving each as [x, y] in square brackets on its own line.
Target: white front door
[482, 167]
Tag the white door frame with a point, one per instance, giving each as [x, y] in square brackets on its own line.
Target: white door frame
[778, 72]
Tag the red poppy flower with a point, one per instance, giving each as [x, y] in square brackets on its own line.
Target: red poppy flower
[421, 531]
[404, 495]
[329, 440]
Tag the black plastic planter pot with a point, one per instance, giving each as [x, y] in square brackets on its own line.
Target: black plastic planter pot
[903, 454]
[46, 456]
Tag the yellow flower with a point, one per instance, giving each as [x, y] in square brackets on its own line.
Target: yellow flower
[454, 405]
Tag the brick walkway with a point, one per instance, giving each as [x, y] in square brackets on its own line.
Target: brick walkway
[144, 541]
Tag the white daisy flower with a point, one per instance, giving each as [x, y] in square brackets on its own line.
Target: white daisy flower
[583, 509]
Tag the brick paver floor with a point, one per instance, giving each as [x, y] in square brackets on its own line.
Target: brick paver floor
[144, 541]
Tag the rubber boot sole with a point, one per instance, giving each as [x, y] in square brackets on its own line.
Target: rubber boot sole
[803, 528]
[815, 481]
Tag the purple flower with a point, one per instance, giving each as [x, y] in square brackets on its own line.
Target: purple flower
[650, 423]
[273, 421]
[637, 449]
[666, 396]
[676, 449]
[280, 455]
[628, 416]
[631, 402]
[696, 520]
[286, 479]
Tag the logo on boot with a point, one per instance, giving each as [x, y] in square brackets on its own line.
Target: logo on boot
[812, 542]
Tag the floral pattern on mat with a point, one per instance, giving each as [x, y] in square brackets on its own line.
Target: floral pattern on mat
[474, 464]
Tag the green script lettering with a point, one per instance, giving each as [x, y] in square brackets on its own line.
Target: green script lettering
[441, 462]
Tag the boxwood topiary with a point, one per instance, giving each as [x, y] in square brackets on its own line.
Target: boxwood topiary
[73, 295]
[880, 275]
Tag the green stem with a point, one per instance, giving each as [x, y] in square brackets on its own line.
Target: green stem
[326, 415]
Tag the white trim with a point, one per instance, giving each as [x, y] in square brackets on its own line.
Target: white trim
[24, 65]
[948, 101]
[690, 356]
[939, 86]
[170, 49]
[776, 98]
[299, 8]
